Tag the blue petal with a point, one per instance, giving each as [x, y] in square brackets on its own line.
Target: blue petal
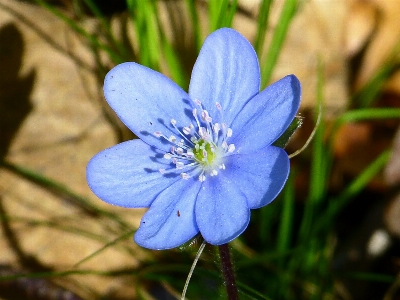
[221, 210]
[259, 176]
[227, 72]
[146, 101]
[170, 221]
[266, 116]
[128, 174]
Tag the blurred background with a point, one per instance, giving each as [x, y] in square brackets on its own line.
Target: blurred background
[333, 233]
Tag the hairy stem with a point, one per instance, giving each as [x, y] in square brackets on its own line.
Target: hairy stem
[227, 272]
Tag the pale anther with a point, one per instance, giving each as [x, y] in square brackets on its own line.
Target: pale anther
[202, 132]
[185, 176]
[205, 116]
[216, 128]
[202, 145]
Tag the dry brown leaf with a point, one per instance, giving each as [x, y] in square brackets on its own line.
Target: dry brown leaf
[392, 176]
[57, 138]
[356, 146]
[392, 216]
[361, 23]
[318, 32]
[392, 170]
[383, 41]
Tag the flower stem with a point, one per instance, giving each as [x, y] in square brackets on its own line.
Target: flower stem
[227, 272]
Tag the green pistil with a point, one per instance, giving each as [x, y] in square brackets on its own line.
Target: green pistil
[204, 152]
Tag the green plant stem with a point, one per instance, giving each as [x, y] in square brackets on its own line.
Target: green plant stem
[280, 32]
[262, 26]
[227, 272]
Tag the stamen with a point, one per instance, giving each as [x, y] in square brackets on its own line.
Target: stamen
[203, 133]
[172, 139]
[185, 176]
[202, 177]
[216, 128]
[194, 111]
[181, 143]
[202, 145]
[205, 116]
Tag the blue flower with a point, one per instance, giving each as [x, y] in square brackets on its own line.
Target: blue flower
[204, 158]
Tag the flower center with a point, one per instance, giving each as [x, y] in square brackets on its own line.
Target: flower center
[204, 152]
[202, 147]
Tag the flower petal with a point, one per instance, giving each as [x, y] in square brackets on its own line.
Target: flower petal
[128, 174]
[227, 72]
[266, 116]
[146, 101]
[170, 221]
[259, 176]
[221, 210]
